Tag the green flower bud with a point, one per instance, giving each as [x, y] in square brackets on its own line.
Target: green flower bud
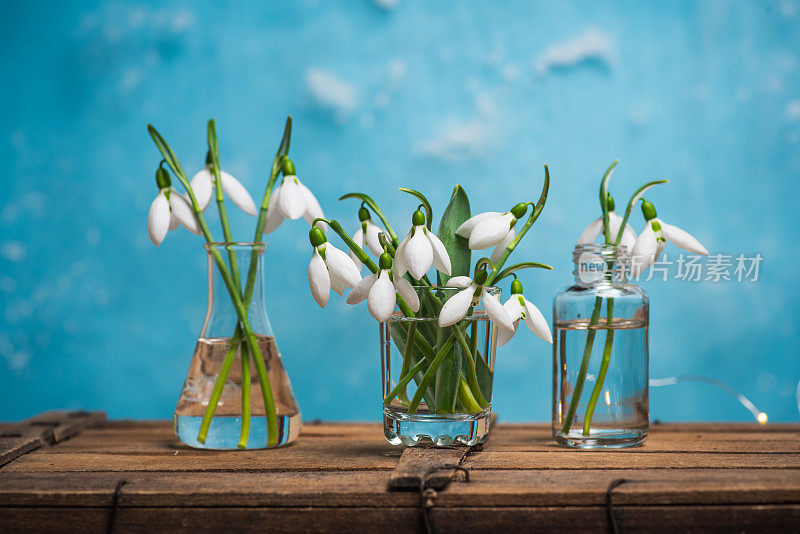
[609, 202]
[162, 177]
[648, 210]
[317, 236]
[480, 278]
[209, 159]
[418, 219]
[288, 167]
[385, 261]
[363, 214]
[519, 210]
[516, 287]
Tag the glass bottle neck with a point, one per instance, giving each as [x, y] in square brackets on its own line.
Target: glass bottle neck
[600, 264]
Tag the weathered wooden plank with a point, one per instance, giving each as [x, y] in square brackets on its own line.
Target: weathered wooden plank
[418, 465]
[339, 488]
[65, 424]
[561, 459]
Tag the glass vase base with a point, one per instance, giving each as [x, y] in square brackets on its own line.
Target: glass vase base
[602, 439]
[223, 434]
[446, 430]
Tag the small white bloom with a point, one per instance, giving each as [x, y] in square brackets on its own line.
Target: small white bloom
[518, 307]
[368, 232]
[292, 200]
[595, 228]
[168, 210]
[330, 268]
[379, 290]
[651, 242]
[456, 308]
[492, 229]
[203, 186]
[419, 250]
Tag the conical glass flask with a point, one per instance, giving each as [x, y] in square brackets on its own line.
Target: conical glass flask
[222, 404]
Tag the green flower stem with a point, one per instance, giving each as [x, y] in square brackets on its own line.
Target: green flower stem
[472, 375]
[244, 435]
[412, 328]
[233, 291]
[219, 385]
[601, 375]
[430, 373]
[366, 199]
[634, 199]
[537, 210]
[587, 354]
[400, 388]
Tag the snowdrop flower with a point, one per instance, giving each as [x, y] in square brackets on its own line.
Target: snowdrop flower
[368, 232]
[330, 268]
[379, 290]
[653, 238]
[203, 186]
[492, 229]
[458, 305]
[614, 223]
[518, 307]
[169, 210]
[419, 250]
[292, 200]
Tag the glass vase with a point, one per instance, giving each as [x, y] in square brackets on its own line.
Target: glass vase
[222, 404]
[600, 354]
[437, 391]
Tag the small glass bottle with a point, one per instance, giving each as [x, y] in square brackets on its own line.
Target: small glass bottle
[600, 354]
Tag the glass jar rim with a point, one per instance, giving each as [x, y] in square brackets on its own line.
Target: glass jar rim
[235, 245]
[490, 289]
[607, 248]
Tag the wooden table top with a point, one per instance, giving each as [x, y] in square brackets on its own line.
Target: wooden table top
[132, 476]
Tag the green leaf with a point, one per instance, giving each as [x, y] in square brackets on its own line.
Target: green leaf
[456, 213]
[425, 203]
[283, 148]
[366, 199]
[519, 266]
[399, 336]
[448, 377]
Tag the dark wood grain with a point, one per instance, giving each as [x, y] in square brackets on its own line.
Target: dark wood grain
[340, 477]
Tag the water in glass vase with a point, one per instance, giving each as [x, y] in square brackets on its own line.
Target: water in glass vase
[226, 425]
[620, 413]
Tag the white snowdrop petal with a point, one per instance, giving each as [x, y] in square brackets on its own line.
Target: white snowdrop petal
[503, 336]
[496, 312]
[337, 284]
[513, 308]
[417, 254]
[318, 279]
[614, 224]
[459, 281]
[466, 228]
[408, 293]
[341, 266]
[591, 232]
[682, 238]
[203, 187]
[182, 211]
[358, 239]
[238, 194]
[361, 290]
[373, 238]
[441, 260]
[274, 215]
[313, 209]
[174, 223]
[292, 203]
[490, 231]
[536, 322]
[381, 300]
[399, 264]
[457, 306]
[628, 237]
[501, 247]
[644, 250]
[158, 219]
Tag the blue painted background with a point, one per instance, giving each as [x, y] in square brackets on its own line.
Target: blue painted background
[420, 94]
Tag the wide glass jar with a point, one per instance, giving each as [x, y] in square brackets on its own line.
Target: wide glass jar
[222, 404]
[600, 354]
[437, 390]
